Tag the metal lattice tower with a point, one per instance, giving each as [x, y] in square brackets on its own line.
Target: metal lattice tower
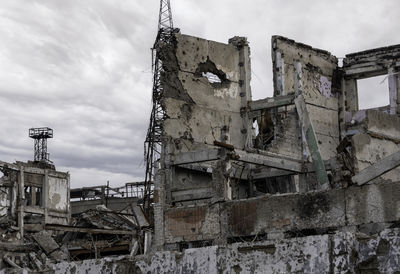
[40, 135]
[165, 16]
[152, 145]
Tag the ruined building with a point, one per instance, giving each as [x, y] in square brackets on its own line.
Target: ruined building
[314, 189]
[44, 222]
[34, 199]
[303, 181]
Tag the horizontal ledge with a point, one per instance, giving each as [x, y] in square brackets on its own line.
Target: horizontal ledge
[270, 161]
[88, 230]
[272, 102]
[197, 156]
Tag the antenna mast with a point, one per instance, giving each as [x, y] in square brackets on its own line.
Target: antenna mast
[152, 145]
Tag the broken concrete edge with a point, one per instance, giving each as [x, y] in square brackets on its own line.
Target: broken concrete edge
[341, 251]
[276, 38]
[286, 214]
[375, 51]
[377, 169]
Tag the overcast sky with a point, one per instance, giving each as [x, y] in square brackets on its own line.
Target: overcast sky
[83, 67]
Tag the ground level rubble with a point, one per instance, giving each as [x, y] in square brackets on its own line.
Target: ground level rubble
[330, 253]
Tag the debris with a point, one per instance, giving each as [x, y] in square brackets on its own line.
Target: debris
[222, 183]
[49, 245]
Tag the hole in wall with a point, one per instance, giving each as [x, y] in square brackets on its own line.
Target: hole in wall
[264, 130]
[255, 128]
[373, 92]
[211, 77]
[216, 77]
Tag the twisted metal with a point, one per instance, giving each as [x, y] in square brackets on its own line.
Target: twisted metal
[152, 144]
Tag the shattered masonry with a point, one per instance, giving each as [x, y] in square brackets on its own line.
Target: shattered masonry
[306, 162]
[303, 181]
[41, 226]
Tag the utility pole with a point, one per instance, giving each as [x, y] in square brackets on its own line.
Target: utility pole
[152, 145]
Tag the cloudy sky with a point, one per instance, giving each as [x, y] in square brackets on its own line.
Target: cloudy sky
[83, 67]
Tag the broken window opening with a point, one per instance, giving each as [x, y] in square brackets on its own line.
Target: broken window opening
[276, 185]
[255, 127]
[264, 130]
[33, 196]
[373, 92]
[38, 196]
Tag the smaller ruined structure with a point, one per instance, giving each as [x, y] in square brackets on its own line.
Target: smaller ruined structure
[34, 197]
[41, 225]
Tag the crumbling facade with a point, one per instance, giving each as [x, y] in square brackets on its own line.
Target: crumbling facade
[44, 222]
[33, 197]
[304, 162]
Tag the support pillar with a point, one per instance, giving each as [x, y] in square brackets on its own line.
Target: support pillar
[245, 90]
[21, 201]
[394, 92]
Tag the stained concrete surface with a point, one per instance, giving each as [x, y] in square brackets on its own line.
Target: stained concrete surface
[342, 252]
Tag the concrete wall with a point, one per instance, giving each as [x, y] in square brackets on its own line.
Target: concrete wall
[58, 194]
[200, 110]
[343, 252]
[197, 109]
[278, 215]
[320, 92]
[57, 197]
[377, 136]
[192, 223]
